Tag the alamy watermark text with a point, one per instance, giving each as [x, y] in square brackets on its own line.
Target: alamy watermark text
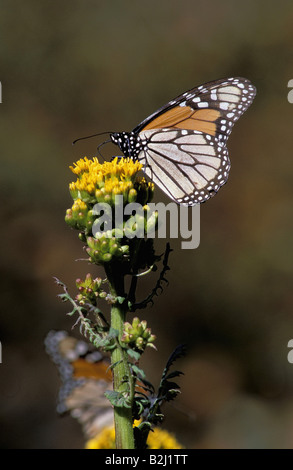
[184, 222]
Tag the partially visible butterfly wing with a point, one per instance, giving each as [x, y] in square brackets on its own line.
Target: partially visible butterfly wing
[85, 378]
[184, 147]
[188, 166]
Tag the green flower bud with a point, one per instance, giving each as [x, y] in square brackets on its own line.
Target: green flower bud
[103, 295]
[108, 198]
[135, 322]
[132, 195]
[107, 257]
[125, 249]
[139, 343]
[99, 195]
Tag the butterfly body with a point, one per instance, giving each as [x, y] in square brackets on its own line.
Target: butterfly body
[129, 143]
[182, 146]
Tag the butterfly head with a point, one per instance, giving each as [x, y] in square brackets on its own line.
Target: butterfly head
[128, 142]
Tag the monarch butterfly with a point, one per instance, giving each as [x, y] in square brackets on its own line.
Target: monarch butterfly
[183, 145]
[85, 377]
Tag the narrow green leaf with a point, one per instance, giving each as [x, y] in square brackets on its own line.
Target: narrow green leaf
[115, 364]
[138, 371]
[133, 354]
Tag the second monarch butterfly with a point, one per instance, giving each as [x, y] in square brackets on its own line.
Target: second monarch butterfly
[183, 145]
[85, 377]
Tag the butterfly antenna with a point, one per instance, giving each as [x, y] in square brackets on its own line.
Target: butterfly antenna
[101, 145]
[90, 136]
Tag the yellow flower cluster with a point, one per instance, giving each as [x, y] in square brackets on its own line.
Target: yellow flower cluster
[98, 182]
[122, 167]
[95, 178]
[158, 439]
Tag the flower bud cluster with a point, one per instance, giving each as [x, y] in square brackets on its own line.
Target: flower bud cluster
[137, 335]
[89, 290]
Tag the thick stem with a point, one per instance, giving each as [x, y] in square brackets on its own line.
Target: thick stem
[122, 379]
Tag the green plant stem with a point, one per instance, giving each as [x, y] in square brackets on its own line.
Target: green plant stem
[122, 379]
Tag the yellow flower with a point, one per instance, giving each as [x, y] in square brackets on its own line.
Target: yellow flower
[158, 439]
[79, 206]
[101, 182]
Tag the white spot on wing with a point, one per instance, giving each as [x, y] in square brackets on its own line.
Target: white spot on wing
[224, 105]
[203, 104]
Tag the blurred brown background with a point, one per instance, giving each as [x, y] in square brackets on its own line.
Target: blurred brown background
[69, 69]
